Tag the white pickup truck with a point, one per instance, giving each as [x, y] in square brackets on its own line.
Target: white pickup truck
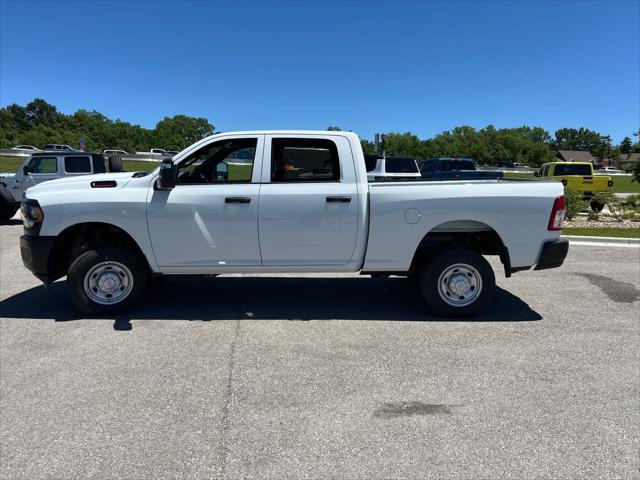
[285, 201]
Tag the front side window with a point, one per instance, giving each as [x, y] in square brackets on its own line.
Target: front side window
[304, 160]
[77, 165]
[43, 165]
[224, 161]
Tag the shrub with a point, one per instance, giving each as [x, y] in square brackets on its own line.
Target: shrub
[574, 202]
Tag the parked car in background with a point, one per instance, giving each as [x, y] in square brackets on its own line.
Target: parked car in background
[300, 203]
[44, 166]
[447, 168]
[610, 171]
[577, 176]
[153, 151]
[115, 152]
[391, 168]
[57, 146]
[25, 147]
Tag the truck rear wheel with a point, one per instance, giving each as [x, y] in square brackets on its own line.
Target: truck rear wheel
[458, 283]
[596, 206]
[106, 280]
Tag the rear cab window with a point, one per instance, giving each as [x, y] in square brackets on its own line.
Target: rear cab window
[572, 169]
[304, 160]
[77, 164]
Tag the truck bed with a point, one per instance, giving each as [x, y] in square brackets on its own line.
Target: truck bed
[401, 214]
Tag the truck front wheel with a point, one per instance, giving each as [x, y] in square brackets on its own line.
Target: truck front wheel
[458, 283]
[106, 280]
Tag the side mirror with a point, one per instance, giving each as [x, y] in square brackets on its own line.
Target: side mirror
[25, 170]
[222, 171]
[167, 177]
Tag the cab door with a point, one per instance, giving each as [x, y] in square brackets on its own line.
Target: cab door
[309, 206]
[210, 218]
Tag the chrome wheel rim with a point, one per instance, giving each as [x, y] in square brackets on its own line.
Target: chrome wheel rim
[108, 283]
[460, 285]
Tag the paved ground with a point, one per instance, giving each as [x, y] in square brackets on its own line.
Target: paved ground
[321, 377]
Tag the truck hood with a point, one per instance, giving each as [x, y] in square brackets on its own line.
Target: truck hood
[81, 182]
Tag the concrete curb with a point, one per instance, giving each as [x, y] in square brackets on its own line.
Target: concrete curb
[604, 241]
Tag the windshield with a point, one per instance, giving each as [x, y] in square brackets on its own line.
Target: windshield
[572, 169]
[401, 165]
[452, 165]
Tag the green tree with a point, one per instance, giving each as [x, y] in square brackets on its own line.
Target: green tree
[626, 146]
[180, 131]
[577, 139]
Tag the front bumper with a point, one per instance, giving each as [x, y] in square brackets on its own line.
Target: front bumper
[553, 254]
[37, 256]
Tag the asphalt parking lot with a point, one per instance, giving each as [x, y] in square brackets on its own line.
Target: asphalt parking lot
[325, 377]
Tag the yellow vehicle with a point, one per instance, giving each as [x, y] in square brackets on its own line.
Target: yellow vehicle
[577, 176]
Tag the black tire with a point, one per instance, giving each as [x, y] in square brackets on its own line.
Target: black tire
[7, 211]
[84, 264]
[115, 164]
[596, 206]
[485, 284]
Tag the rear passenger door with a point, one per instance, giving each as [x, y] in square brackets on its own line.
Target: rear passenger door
[308, 212]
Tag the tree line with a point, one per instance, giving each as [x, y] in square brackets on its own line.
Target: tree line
[531, 146]
[38, 123]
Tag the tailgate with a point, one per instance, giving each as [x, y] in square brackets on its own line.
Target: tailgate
[588, 183]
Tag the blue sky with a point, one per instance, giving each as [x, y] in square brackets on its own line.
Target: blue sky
[417, 66]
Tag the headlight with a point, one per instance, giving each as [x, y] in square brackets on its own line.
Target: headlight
[31, 213]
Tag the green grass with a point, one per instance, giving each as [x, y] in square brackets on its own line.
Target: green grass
[134, 166]
[10, 164]
[519, 175]
[603, 232]
[623, 184]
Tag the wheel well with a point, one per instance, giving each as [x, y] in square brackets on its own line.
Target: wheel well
[80, 238]
[482, 239]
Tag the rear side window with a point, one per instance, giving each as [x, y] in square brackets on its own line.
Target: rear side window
[43, 165]
[400, 165]
[304, 160]
[77, 165]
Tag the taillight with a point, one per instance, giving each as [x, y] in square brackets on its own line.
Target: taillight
[557, 214]
[564, 182]
[610, 183]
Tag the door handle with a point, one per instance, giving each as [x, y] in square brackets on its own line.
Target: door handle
[237, 200]
[339, 199]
